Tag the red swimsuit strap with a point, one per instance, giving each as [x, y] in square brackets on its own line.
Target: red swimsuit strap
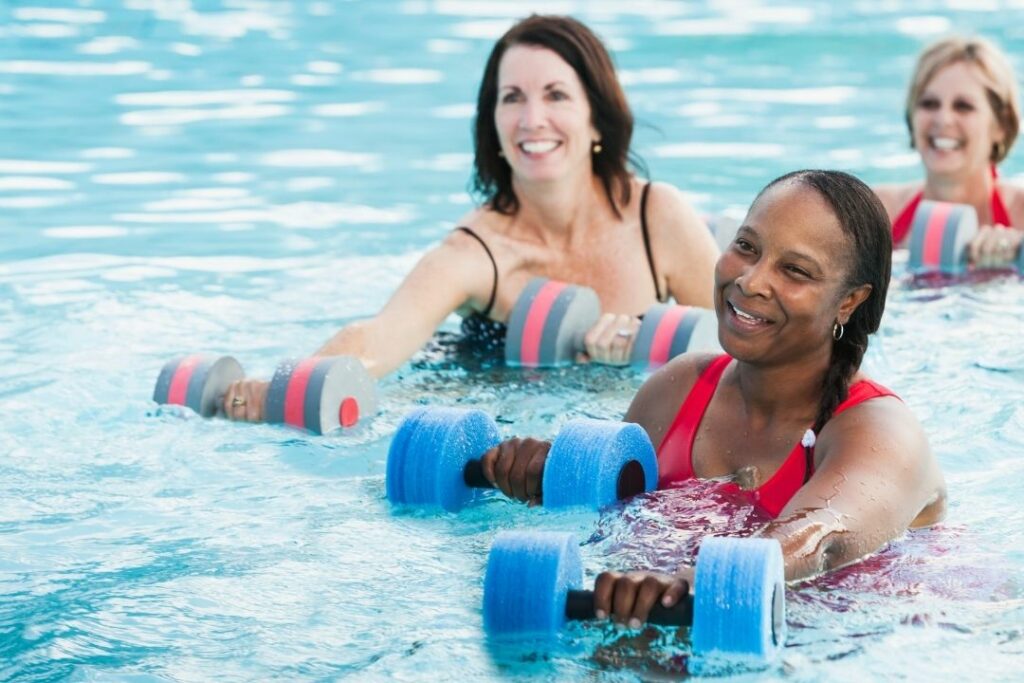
[901, 226]
[675, 454]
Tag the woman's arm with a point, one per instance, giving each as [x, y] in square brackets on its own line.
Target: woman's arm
[453, 273]
[449, 275]
[877, 478]
[682, 246]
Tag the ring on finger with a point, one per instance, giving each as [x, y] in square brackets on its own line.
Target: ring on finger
[624, 332]
[238, 401]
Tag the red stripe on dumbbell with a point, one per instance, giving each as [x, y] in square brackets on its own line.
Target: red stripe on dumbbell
[348, 413]
[179, 383]
[533, 330]
[661, 343]
[932, 251]
[295, 396]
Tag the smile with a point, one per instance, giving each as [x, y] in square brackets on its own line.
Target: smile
[539, 146]
[944, 144]
[745, 319]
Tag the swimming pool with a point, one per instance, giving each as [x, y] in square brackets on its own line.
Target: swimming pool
[245, 177]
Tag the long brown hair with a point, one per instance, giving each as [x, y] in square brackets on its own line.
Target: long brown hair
[583, 51]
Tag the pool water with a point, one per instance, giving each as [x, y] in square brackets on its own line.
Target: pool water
[244, 177]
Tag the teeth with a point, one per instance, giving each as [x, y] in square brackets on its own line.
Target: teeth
[747, 316]
[946, 144]
[539, 146]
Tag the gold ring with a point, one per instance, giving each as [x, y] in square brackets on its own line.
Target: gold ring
[238, 401]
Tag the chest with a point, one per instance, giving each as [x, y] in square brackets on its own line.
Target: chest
[613, 263]
[726, 444]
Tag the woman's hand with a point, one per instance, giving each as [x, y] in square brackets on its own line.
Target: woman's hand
[628, 598]
[245, 400]
[610, 341]
[995, 247]
[516, 466]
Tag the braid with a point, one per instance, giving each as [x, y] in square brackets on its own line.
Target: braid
[847, 354]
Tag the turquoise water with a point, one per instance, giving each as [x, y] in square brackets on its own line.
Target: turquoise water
[245, 177]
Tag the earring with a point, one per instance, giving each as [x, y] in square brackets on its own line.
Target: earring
[998, 151]
[501, 154]
[596, 147]
[838, 330]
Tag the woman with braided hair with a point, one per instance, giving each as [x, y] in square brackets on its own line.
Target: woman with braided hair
[786, 416]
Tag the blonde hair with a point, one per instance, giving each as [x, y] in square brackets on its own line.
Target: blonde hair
[997, 79]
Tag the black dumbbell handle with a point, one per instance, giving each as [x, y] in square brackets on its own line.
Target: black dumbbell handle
[631, 478]
[579, 606]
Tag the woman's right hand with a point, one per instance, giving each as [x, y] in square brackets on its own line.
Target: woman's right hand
[516, 466]
[245, 400]
[995, 247]
[610, 341]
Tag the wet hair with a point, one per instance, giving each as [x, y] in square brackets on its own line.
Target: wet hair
[583, 51]
[869, 261]
[997, 79]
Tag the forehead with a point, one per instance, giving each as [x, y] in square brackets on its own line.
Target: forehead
[793, 217]
[524, 65]
[958, 78]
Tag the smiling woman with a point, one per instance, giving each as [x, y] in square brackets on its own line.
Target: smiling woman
[559, 200]
[785, 418]
[962, 112]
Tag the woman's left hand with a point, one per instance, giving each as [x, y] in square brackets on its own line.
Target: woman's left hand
[995, 247]
[628, 598]
[610, 341]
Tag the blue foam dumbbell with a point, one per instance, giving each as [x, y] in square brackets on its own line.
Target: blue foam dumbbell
[434, 460]
[532, 588]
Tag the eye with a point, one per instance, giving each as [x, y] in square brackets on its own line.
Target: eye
[963, 106]
[511, 96]
[743, 245]
[557, 95]
[928, 103]
[797, 271]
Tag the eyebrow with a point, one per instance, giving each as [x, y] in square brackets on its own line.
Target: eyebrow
[549, 86]
[789, 254]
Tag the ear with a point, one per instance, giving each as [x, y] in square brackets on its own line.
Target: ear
[851, 301]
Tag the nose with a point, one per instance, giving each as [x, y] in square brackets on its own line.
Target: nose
[533, 115]
[755, 280]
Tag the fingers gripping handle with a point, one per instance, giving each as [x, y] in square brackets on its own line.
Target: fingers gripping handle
[579, 606]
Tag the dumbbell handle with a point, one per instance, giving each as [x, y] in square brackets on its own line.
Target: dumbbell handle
[579, 606]
[473, 475]
[630, 482]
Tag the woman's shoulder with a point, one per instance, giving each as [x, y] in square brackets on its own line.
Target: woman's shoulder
[660, 397]
[896, 196]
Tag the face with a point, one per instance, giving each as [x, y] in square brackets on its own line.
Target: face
[542, 115]
[780, 285]
[954, 127]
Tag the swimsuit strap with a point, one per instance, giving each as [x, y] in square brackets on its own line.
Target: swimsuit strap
[901, 225]
[494, 264]
[675, 454]
[1000, 216]
[647, 240]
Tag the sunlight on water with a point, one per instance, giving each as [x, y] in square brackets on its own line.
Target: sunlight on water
[244, 177]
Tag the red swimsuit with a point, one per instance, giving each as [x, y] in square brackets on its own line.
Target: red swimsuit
[901, 226]
[675, 455]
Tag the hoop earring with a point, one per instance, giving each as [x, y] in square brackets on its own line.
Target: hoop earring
[596, 147]
[838, 330]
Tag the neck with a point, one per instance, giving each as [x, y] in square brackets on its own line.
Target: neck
[974, 189]
[783, 392]
[562, 210]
